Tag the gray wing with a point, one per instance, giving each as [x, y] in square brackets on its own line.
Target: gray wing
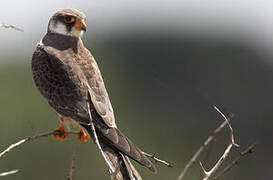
[96, 88]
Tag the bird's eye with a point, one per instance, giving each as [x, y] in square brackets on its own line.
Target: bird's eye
[69, 19]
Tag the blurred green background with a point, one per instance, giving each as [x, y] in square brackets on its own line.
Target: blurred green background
[164, 68]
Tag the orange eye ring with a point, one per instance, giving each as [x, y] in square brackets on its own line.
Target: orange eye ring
[69, 19]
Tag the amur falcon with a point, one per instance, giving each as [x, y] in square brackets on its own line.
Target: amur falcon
[67, 76]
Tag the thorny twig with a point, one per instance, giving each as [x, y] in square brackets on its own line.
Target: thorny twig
[28, 139]
[200, 150]
[9, 172]
[208, 153]
[72, 167]
[11, 26]
[157, 159]
[247, 151]
[207, 174]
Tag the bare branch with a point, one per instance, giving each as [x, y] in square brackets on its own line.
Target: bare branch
[207, 174]
[229, 125]
[72, 167]
[108, 162]
[247, 151]
[11, 27]
[208, 152]
[157, 159]
[9, 172]
[28, 139]
[200, 150]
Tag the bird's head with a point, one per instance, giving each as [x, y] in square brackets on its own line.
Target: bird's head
[68, 22]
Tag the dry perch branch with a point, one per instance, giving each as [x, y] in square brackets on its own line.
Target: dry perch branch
[247, 151]
[11, 27]
[157, 159]
[200, 150]
[9, 172]
[72, 167]
[31, 138]
[207, 174]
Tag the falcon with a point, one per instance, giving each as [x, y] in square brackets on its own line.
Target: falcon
[67, 76]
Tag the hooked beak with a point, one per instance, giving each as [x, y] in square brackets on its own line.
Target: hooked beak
[80, 25]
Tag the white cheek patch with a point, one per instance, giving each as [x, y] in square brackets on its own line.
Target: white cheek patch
[75, 32]
[58, 28]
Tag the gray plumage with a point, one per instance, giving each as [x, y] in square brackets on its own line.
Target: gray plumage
[65, 72]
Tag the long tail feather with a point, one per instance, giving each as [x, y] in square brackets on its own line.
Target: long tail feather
[124, 169]
[116, 139]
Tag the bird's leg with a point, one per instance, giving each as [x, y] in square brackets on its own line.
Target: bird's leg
[82, 137]
[60, 133]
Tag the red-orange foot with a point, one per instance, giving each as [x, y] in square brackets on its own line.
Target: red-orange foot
[60, 133]
[82, 137]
